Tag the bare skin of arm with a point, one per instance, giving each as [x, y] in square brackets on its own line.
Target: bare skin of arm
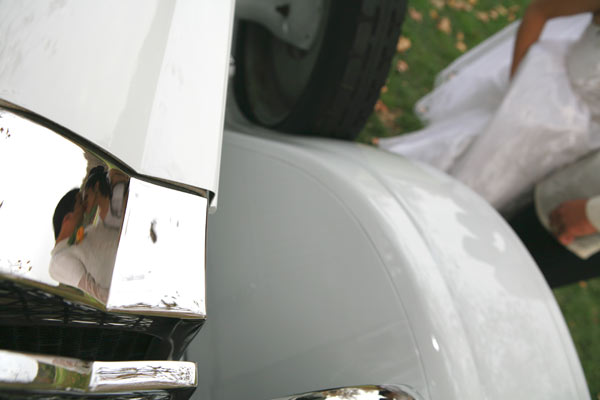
[569, 221]
[536, 15]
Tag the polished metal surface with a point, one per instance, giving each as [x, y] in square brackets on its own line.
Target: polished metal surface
[161, 253]
[19, 371]
[69, 218]
[369, 392]
[294, 21]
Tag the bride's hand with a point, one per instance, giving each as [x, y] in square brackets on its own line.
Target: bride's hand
[569, 221]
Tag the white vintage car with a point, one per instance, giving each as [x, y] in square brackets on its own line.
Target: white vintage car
[301, 267]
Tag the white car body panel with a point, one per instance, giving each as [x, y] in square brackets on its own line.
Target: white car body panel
[333, 264]
[328, 264]
[145, 80]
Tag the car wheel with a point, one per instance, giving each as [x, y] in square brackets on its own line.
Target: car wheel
[328, 90]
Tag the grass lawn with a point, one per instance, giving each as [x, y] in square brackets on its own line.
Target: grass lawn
[435, 32]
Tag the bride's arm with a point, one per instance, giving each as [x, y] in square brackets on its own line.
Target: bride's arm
[536, 15]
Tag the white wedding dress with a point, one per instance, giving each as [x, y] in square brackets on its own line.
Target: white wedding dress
[502, 137]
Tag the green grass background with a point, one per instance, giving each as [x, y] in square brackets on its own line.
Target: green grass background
[431, 50]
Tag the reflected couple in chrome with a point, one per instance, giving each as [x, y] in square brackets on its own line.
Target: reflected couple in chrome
[87, 224]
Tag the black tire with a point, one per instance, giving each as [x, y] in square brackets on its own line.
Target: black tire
[347, 66]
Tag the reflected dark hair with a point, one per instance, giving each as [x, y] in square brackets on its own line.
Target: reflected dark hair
[99, 175]
[64, 206]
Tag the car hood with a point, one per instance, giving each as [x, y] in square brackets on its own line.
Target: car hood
[143, 80]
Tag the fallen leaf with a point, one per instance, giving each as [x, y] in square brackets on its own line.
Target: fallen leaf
[461, 46]
[403, 44]
[493, 14]
[514, 8]
[501, 10]
[444, 25]
[384, 89]
[459, 5]
[472, 2]
[433, 14]
[415, 15]
[511, 17]
[439, 4]
[401, 66]
[482, 16]
[460, 36]
[380, 107]
[388, 117]
[583, 284]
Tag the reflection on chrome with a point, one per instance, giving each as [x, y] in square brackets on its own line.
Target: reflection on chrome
[23, 372]
[69, 218]
[371, 392]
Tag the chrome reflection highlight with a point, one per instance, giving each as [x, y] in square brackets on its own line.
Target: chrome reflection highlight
[370, 392]
[24, 372]
[70, 219]
[160, 253]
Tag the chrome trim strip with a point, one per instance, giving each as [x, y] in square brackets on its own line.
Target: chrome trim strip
[7, 108]
[367, 392]
[19, 371]
[134, 246]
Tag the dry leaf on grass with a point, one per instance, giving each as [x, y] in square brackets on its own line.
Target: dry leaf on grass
[472, 2]
[433, 14]
[482, 16]
[439, 4]
[493, 14]
[380, 107]
[511, 17]
[460, 36]
[445, 25]
[403, 44]
[386, 116]
[415, 15]
[401, 66]
[384, 89]
[459, 5]
[461, 46]
[501, 10]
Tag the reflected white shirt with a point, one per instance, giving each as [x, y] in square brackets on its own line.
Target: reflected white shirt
[90, 260]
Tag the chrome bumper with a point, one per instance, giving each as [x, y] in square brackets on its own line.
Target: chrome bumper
[129, 243]
[116, 274]
[32, 376]
[365, 392]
